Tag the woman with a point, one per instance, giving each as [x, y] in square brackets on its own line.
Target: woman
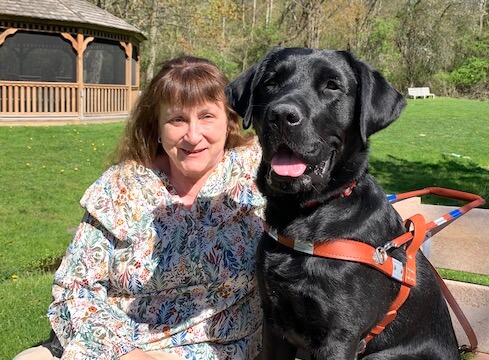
[162, 264]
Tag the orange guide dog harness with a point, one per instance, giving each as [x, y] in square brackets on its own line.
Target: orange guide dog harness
[417, 231]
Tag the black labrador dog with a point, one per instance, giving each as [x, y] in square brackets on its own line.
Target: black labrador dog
[313, 111]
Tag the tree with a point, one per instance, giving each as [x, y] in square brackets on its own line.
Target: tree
[423, 39]
[153, 32]
[439, 43]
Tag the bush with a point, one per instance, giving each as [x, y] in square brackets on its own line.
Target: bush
[442, 85]
[473, 71]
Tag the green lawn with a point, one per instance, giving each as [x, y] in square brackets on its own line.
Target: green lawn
[45, 170]
[441, 142]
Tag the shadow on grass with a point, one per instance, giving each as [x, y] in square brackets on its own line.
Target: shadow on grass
[399, 175]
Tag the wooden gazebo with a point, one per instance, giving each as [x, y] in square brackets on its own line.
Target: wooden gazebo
[66, 59]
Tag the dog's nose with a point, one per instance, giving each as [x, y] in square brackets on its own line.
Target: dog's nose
[285, 115]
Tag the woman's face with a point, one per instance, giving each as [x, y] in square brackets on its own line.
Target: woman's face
[193, 137]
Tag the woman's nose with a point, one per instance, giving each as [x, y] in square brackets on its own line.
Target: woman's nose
[194, 134]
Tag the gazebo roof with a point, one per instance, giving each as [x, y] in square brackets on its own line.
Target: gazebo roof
[73, 12]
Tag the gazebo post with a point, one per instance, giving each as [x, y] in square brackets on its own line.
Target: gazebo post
[128, 51]
[79, 45]
[79, 74]
[82, 46]
[138, 71]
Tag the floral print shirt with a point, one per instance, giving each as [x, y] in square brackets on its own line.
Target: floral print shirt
[143, 271]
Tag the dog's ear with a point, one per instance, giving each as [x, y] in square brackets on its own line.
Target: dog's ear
[378, 103]
[239, 92]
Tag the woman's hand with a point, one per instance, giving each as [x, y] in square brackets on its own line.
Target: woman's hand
[138, 354]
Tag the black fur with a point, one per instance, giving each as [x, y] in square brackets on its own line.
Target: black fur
[322, 106]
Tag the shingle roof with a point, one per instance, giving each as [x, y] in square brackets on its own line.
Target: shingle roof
[76, 12]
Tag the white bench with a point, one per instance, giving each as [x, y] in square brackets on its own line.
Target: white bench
[420, 92]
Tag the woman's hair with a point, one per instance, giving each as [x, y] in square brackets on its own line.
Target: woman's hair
[183, 81]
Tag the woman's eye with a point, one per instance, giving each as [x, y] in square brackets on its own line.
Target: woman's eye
[207, 117]
[176, 120]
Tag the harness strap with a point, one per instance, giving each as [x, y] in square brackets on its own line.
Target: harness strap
[356, 251]
[457, 310]
[419, 232]
[435, 226]
[348, 250]
[351, 250]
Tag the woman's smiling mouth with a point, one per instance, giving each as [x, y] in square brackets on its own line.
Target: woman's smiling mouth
[193, 152]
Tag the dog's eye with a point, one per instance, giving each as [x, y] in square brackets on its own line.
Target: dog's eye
[271, 82]
[331, 85]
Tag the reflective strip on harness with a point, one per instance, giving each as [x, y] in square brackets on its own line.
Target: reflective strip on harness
[397, 270]
[304, 246]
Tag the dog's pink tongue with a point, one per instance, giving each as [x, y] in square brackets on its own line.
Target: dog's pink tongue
[288, 164]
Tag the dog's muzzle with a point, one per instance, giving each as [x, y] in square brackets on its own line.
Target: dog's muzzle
[317, 172]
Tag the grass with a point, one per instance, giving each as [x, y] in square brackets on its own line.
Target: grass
[45, 170]
[464, 276]
[441, 142]
[23, 321]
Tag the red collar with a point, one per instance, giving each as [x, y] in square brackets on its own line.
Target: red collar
[378, 258]
[343, 192]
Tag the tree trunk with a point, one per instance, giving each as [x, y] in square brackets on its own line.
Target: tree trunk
[269, 13]
[482, 14]
[151, 42]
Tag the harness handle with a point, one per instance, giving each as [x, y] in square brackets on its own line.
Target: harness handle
[435, 226]
[443, 192]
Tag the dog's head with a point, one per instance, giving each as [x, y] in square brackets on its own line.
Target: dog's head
[313, 111]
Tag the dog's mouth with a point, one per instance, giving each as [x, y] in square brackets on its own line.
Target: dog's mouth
[291, 173]
[286, 163]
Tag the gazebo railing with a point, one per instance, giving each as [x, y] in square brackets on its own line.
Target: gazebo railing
[105, 99]
[27, 98]
[19, 98]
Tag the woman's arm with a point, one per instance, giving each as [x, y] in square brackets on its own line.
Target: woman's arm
[80, 314]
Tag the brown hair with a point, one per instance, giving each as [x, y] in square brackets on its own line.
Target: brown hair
[185, 80]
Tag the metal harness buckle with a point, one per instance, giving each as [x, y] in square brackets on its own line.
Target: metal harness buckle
[380, 255]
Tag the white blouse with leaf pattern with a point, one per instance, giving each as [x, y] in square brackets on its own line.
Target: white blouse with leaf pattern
[144, 271]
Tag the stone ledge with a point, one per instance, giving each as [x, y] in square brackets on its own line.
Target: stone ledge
[481, 356]
[474, 301]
